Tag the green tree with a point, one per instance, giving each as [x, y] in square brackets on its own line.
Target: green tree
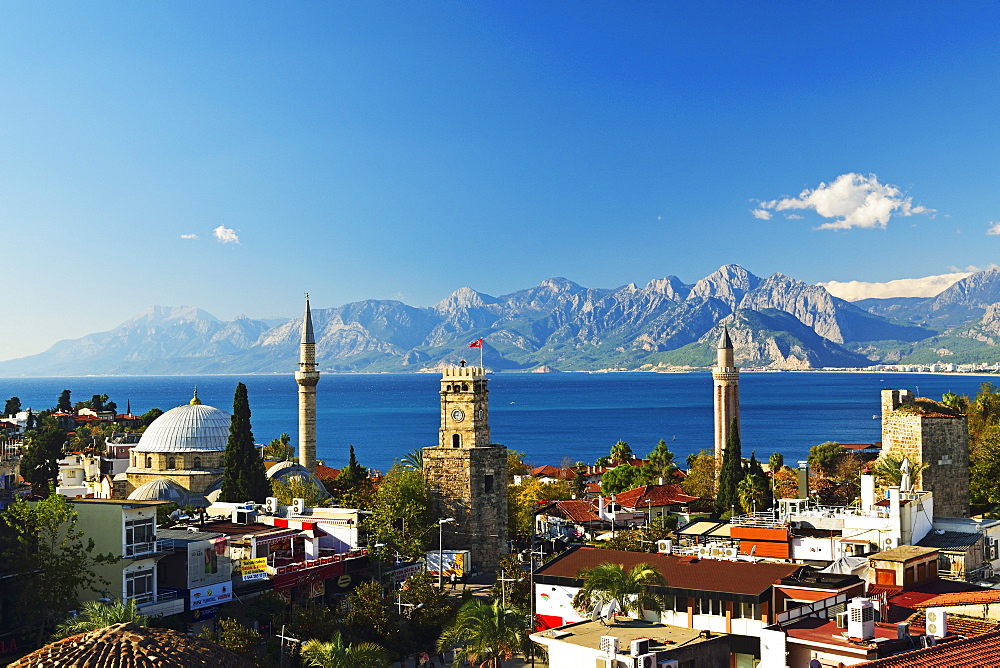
[700, 480]
[888, 473]
[485, 634]
[825, 455]
[731, 471]
[97, 615]
[620, 453]
[622, 478]
[337, 654]
[243, 477]
[371, 616]
[12, 406]
[298, 487]
[280, 449]
[64, 405]
[235, 637]
[958, 402]
[56, 559]
[631, 589]
[515, 465]
[413, 460]
[602, 461]
[401, 513]
[150, 415]
[312, 621]
[353, 487]
[429, 611]
[776, 461]
[762, 483]
[661, 462]
[43, 448]
[512, 586]
[751, 492]
[523, 501]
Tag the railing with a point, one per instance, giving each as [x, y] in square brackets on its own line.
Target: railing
[968, 575]
[133, 550]
[766, 519]
[162, 597]
[322, 561]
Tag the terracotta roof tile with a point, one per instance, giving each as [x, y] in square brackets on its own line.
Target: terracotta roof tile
[131, 645]
[579, 510]
[978, 652]
[738, 577]
[655, 495]
[959, 624]
[961, 598]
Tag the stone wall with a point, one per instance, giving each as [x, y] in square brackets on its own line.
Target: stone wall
[942, 441]
[470, 484]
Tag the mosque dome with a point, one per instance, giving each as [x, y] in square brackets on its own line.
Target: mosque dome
[286, 470]
[191, 428]
[163, 489]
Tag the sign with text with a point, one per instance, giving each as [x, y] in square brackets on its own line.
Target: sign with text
[202, 597]
[253, 569]
[208, 562]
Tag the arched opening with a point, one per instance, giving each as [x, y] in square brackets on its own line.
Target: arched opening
[149, 462]
[456, 441]
[448, 389]
[465, 388]
[197, 462]
[171, 463]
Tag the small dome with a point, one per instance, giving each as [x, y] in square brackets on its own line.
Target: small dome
[192, 427]
[163, 489]
[285, 470]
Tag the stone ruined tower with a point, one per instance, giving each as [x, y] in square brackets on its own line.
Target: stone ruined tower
[925, 435]
[467, 472]
[726, 381]
[307, 376]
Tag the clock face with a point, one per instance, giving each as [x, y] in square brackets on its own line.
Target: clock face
[457, 415]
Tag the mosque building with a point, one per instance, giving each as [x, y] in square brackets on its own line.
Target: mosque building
[180, 457]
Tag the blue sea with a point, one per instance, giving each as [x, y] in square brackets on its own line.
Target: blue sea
[550, 417]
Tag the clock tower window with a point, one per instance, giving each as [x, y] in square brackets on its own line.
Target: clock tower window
[456, 440]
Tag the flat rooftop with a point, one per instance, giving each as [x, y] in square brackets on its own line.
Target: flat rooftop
[662, 637]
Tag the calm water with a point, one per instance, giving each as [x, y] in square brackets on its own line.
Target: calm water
[548, 416]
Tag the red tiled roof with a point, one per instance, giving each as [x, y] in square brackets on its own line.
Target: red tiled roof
[324, 472]
[958, 624]
[737, 577]
[654, 495]
[979, 652]
[579, 510]
[961, 598]
[593, 488]
[549, 471]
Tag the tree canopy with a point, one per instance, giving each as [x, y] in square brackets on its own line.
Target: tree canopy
[43, 447]
[622, 478]
[401, 513]
[485, 634]
[611, 582]
[620, 452]
[661, 462]
[63, 404]
[825, 455]
[730, 473]
[12, 406]
[338, 654]
[243, 476]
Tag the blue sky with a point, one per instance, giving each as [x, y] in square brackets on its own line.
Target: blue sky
[403, 150]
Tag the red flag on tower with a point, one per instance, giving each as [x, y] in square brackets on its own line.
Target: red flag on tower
[478, 343]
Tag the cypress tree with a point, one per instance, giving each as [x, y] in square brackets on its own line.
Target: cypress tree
[243, 477]
[730, 473]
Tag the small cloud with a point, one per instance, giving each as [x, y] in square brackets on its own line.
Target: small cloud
[793, 216]
[226, 235]
[189, 236]
[659, 217]
[993, 230]
[929, 286]
[851, 200]
[761, 214]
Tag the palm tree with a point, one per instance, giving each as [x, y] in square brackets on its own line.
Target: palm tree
[621, 452]
[751, 491]
[413, 460]
[338, 654]
[488, 634]
[629, 589]
[661, 460]
[889, 474]
[97, 615]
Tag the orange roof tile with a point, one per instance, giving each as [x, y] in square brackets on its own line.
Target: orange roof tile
[654, 495]
[978, 652]
[961, 598]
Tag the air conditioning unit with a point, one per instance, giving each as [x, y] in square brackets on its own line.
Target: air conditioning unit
[663, 546]
[605, 662]
[729, 553]
[646, 661]
[298, 506]
[271, 504]
[937, 623]
[638, 647]
[669, 663]
[902, 630]
[609, 644]
[841, 620]
[861, 619]
[889, 542]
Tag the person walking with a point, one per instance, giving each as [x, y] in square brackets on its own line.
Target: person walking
[454, 580]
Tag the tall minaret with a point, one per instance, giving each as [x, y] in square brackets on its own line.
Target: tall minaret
[307, 376]
[726, 379]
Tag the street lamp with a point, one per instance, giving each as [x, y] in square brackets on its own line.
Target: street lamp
[441, 524]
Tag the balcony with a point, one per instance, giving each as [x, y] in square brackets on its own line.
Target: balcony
[167, 603]
[150, 549]
[283, 566]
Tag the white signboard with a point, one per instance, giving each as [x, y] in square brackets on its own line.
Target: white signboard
[203, 597]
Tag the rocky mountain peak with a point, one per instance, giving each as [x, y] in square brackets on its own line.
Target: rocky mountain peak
[729, 283]
[464, 297]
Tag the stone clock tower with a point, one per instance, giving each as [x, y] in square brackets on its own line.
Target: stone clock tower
[467, 472]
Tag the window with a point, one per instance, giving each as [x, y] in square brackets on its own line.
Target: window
[138, 532]
[197, 462]
[488, 481]
[139, 585]
[149, 462]
[680, 604]
[70, 474]
[456, 441]
[710, 606]
[171, 463]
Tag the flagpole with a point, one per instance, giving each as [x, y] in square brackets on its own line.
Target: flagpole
[481, 365]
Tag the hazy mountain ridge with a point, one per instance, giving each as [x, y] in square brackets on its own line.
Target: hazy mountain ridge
[777, 321]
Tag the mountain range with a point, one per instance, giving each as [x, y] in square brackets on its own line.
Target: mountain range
[775, 322]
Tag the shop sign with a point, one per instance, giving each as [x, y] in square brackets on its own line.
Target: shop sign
[254, 569]
[203, 597]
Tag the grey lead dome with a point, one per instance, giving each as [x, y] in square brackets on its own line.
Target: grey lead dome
[189, 428]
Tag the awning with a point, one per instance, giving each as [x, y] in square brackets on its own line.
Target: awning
[276, 536]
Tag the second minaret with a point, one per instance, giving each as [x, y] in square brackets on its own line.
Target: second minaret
[307, 377]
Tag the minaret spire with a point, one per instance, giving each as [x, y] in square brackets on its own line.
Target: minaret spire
[307, 377]
[726, 378]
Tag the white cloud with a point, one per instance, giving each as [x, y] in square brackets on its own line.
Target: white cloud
[793, 216]
[851, 200]
[226, 235]
[761, 214]
[189, 236]
[994, 229]
[929, 286]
